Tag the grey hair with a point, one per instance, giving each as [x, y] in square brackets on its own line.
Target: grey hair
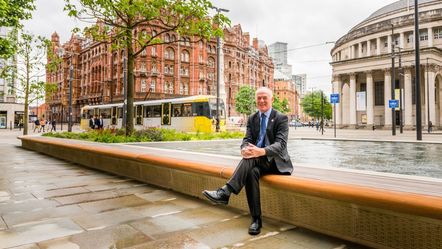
[265, 90]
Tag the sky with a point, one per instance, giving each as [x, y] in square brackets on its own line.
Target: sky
[299, 23]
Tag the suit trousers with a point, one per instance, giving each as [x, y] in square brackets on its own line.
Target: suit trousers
[247, 174]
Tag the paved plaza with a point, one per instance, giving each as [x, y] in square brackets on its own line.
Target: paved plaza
[49, 203]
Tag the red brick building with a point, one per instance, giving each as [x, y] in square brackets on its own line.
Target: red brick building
[161, 71]
[285, 89]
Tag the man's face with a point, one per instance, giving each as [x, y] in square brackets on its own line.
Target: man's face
[263, 101]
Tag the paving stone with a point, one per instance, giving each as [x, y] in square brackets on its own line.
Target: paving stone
[112, 204]
[38, 231]
[14, 219]
[60, 192]
[30, 246]
[178, 241]
[26, 206]
[158, 195]
[112, 237]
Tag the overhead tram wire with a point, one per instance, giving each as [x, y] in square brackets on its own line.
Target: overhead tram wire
[304, 47]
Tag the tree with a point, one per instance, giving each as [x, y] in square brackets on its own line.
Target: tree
[311, 105]
[31, 52]
[281, 106]
[245, 100]
[11, 13]
[117, 23]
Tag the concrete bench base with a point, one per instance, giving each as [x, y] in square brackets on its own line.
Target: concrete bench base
[371, 217]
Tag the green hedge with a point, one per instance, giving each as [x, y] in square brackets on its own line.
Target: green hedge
[146, 135]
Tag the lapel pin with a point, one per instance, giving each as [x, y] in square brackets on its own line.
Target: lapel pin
[272, 120]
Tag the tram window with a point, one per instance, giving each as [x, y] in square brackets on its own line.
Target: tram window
[90, 113]
[200, 109]
[152, 111]
[105, 113]
[177, 110]
[187, 110]
[157, 111]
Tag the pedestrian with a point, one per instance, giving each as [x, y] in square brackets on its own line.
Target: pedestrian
[37, 125]
[96, 122]
[430, 126]
[264, 151]
[100, 123]
[91, 122]
[53, 125]
[42, 124]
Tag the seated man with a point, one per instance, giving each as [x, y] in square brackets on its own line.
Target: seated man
[264, 151]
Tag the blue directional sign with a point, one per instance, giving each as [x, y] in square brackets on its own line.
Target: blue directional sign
[393, 103]
[334, 98]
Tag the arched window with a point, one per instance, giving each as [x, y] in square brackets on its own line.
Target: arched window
[166, 38]
[211, 62]
[185, 56]
[169, 54]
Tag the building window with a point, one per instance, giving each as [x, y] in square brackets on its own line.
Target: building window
[185, 56]
[152, 85]
[143, 67]
[437, 33]
[166, 38]
[379, 93]
[363, 87]
[166, 87]
[181, 88]
[169, 54]
[143, 85]
[154, 51]
[423, 35]
[410, 38]
[211, 62]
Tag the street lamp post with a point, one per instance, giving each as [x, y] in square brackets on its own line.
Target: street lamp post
[401, 73]
[322, 112]
[428, 98]
[417, 68]
[218, 68]
[71, 69]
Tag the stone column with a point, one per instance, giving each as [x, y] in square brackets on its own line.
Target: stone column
[353, 99]
[352, 51]
[387, 96]
[370, 99]
[430, 37]
[408, 107]
[378, 46]
[402, 41]
[345, 105]
[360, 50]
[430, 96]
[368, 48]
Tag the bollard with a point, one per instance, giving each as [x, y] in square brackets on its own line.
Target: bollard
[10, 125]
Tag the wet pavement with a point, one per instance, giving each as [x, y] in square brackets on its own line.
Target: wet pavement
[48, 203]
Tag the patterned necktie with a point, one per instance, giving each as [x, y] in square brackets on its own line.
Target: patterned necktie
[262, 132]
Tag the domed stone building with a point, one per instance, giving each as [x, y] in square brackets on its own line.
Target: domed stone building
[361, 61]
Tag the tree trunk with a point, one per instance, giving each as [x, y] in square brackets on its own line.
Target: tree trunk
[130, 84]
[25, 118]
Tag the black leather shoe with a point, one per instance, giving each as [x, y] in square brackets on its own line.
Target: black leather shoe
[218, 196]
[255, 227]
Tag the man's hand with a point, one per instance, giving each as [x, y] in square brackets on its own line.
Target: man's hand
[251, 151]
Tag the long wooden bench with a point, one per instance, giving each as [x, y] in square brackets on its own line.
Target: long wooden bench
[373, 217]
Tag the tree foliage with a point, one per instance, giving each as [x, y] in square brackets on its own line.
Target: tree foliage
[311, 105]
[245, 100]
[281, 106]
[116, 23]
[31, 55]
[11, 13]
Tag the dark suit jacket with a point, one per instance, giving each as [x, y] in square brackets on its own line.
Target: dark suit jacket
[276, 139]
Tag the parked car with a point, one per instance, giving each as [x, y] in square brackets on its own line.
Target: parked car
[295, 123]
